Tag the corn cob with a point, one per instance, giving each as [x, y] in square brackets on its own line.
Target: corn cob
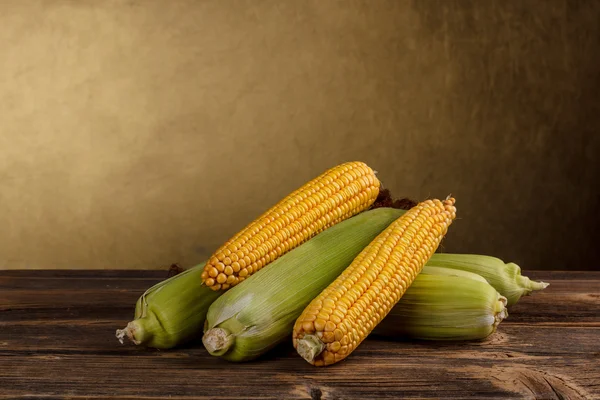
[171, 312]
[334, 196]
[445, 304]
[505, 278]
[342, 316]
[253, 317]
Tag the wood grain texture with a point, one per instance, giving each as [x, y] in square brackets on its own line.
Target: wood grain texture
[57, 341]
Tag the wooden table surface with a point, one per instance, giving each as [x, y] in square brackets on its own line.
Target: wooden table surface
[57, 340]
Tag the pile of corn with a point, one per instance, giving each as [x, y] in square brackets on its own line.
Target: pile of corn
[325, 269]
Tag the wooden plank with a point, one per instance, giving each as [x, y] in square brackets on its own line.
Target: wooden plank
[141, 274]
[96, 336]
[562, 301]
[11, 284]
[378, 370]
[83, 273]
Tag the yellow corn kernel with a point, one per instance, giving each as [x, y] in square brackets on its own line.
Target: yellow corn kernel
[337, 194]
[380, 274]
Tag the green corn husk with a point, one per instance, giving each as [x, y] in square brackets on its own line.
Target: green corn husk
[445, 304]
[172, 312]
[256, 315]
[433, 270]
[506, 278]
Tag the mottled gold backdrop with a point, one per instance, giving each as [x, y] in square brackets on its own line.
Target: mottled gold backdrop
[135, 134]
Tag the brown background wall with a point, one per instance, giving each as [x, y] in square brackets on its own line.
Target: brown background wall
[134, 134]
